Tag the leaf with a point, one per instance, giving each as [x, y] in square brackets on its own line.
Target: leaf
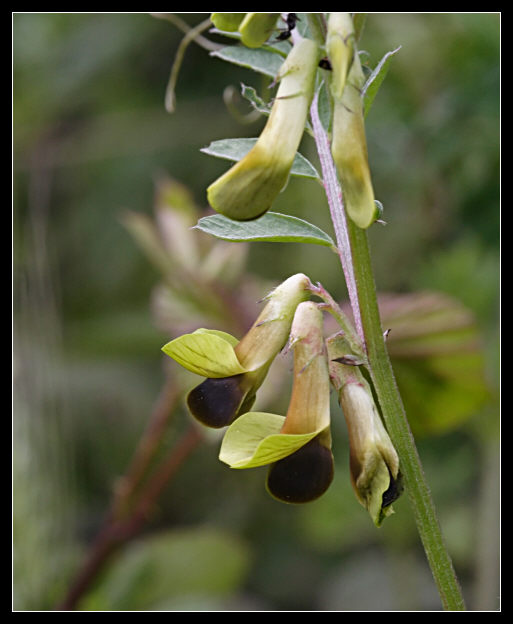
[324, 107]
[260, 60]
[172, 570]
[438, 359]
[236, 149]
[272, 227]
[205, 352]
[277, 47]
[370, 88]
[255, 100]
[254, 439]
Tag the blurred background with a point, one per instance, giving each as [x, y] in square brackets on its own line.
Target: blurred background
[106, 269]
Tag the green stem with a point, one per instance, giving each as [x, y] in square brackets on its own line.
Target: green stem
[356, 263]
[398, 428]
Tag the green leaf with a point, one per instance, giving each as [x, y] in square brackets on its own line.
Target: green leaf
[236, 149]
[277, 47]
[254, 439]
[324, 107]
[272, 227]
[375, 80]
[255, 100]
[260, 60]
[205, 352]
[172, 570]
[437, 352]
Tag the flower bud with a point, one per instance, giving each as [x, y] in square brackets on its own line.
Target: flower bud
[235, 370]
[340, 49]
[227, 22]
[374, 463]
[349, 147]
[256, 28]
[248, 189]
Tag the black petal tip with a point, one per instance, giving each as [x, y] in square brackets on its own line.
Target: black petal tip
[215, 402]
[393, 492]
[303, 476]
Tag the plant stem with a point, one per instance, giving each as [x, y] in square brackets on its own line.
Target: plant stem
[338, 215]
[356, 264]
[129, 513]
[177, 63]
[398, 428]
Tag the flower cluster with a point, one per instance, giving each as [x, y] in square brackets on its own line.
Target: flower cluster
[248, 189]
[296, 446]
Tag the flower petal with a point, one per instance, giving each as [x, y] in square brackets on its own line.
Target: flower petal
[254, 439]
[304, 475]
[206, 352]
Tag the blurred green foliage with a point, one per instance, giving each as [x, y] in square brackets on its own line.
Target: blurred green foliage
[91, 139]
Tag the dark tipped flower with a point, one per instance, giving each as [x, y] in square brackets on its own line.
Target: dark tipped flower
[235, 370]
[373, 460]
[297, 446]
[374, 463]
[248, 189]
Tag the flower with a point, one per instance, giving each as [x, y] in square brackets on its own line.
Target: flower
[340, 49]
[248, 189]
[227, 22]
[373, 460]
[235, 370]
[256, 28]
[349, 145]
[298, 446]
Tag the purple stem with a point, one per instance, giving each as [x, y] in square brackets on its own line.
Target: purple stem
[338, 214]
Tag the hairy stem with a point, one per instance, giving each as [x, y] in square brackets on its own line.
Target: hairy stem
[398, 428]
[338, 215]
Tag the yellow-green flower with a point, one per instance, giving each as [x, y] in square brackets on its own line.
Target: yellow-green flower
[349, 144]
[236, 369]
[374, 463]
[256, 28]
[227, 22]
[248, 189]
[297, 446]
[340, 49]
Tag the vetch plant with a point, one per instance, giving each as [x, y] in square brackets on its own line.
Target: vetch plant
[324, 92]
